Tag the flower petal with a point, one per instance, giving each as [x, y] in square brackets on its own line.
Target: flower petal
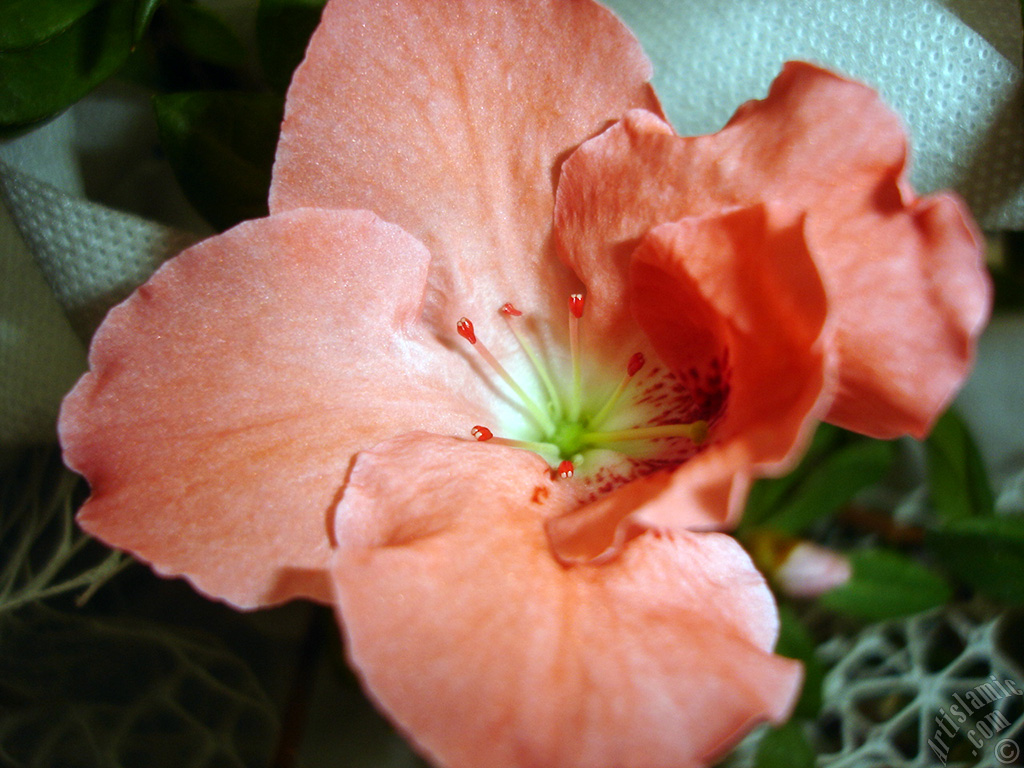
[227, 396]
[450, 119]
[905, 275]
[746, 274]
[734, 304]
[490, 652]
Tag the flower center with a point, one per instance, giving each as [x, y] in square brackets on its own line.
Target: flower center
[568, 429]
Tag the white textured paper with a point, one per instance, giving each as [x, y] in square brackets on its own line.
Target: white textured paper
[951, 69]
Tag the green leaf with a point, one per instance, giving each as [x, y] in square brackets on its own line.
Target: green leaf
[283, 29]
[144, 10]
[1009, 637]
[221, 146]
[40, 81]
[829, 484]
[767, 495]
[957, 482]
[985, 552]
[795, 642]
[204, 35]
[886, 585]
[784, 747]
[84, 691]
[28, 22]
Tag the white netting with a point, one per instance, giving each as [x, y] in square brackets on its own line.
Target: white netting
[896, 693]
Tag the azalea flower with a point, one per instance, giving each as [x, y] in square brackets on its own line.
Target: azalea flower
[505, 357]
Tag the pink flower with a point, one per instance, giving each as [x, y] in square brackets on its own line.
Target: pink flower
[289, 409]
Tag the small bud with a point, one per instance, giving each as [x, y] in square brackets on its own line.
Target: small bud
[565, 470]
[511, 311]
[482, 433]
[810, 570]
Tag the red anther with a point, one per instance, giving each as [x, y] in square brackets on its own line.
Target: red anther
[576, 305]
[465, 329]
[565, 470]
[482, 433]
[508, 309]
[636, 362]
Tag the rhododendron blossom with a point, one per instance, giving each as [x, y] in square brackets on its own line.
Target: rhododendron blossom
[504, 359]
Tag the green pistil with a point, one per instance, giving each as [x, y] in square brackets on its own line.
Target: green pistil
[568, 436]
[696, 431]
[572, 438]
[565, 430]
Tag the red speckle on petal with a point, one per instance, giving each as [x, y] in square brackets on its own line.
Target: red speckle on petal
[465, 329]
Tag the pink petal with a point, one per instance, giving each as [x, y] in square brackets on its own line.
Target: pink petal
[737, 291]
[227, 396]
[489, 652]
[905, 275]
[451, 119]
[747, 277]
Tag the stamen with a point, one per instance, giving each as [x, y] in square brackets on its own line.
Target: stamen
[636, 362]
[484, 435]
[696, 432]
[575, 313]
[466, 331]
[576, 302]
[508, 311]
[566, 434]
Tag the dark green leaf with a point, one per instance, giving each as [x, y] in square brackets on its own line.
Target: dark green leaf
[833, 481]
[768, 495]
[344, 728]
[785, 747]
[221, 146]
[985, 552]
[28, 22]
[957, 482]
[886, 585]
[1006, 266]
[795, 642]
[203, 35]
[144, 10]
[283, 29]
[1009, 637]
[83, 691]
[38, 82]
